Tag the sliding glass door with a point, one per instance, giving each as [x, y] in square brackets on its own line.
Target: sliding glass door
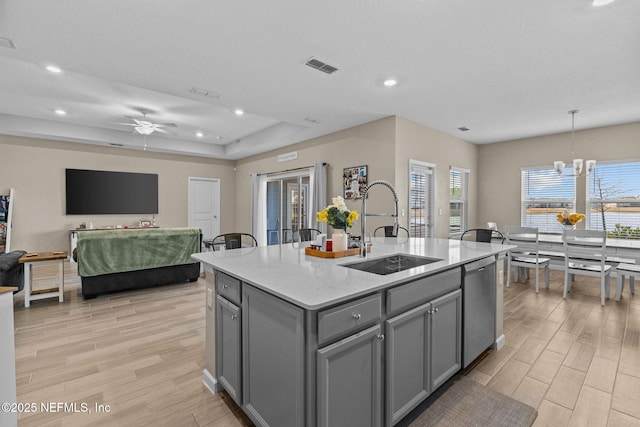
[287, 207]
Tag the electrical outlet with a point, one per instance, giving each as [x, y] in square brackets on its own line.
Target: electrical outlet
[210, 298]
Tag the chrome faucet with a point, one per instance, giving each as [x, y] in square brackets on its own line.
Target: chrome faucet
[363, 223]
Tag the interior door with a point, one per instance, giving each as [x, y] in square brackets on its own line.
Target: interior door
[204, 206]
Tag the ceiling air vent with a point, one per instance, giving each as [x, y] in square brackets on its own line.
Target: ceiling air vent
[204, 92]
[8, 43]
[463, 128]
[319, 65]
[113, 144]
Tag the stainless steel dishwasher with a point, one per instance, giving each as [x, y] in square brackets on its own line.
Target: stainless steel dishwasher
[478, 308]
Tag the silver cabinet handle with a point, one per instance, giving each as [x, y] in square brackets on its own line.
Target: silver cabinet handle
[234, 316]
[381, 337]
[435, 310]
[357, 316]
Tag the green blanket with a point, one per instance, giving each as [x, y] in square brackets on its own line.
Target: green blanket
[113, 251]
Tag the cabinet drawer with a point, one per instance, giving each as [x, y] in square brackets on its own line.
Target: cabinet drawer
[228, 287]
[422, 290]
[348, 318]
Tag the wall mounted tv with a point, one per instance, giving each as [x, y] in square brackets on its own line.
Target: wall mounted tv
[103, 192]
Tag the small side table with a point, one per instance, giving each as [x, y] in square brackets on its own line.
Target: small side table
[31, 258]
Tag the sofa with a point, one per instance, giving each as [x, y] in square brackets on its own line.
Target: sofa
[125, 259]
[11, 271]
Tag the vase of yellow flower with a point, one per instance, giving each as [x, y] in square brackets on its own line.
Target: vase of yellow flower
[569, 220]
[340, 218]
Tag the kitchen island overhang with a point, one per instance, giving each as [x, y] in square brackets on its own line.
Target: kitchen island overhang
[316, 291]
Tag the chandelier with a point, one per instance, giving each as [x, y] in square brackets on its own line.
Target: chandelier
[579, 165]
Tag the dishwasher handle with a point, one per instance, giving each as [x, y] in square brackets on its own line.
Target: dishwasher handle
[478, 265]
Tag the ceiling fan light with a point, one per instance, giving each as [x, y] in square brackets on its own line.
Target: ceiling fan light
[144, 130]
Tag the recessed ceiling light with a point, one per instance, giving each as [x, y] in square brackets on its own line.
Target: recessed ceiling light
[60, 112]
[390, 82]
[199, 134]
[218, 137]
[598, 3]
[238, 112]
[53, 69]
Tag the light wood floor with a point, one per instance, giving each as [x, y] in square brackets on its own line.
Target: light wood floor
[142, 354]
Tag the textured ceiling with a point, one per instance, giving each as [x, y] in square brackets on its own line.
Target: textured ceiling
[503, 69]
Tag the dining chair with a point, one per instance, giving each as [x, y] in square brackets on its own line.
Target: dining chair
[233, 241]
[526, 253]
[306, 234]
[388, 230]
[626, 270]
[585, 253]
[482, 235]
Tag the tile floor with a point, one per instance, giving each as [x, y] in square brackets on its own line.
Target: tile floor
[575, 361]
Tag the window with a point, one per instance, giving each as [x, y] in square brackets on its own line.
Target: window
[545, 194]
[458, 203]
[613, 200]
[420, 199]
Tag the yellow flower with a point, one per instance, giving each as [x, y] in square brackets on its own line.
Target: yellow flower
[569, 218]
[322, 216]
[353, 216]
[337, 215]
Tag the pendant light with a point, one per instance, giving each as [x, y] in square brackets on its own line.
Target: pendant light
[578, 164]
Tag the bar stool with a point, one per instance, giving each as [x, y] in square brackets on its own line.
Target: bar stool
[630, 270]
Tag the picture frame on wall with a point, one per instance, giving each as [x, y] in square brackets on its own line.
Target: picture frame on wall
[354, 181]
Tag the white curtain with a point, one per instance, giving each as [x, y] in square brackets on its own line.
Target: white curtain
[258, 208]
[318, 183]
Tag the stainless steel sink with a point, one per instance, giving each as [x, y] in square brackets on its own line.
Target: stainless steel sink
[391, 264]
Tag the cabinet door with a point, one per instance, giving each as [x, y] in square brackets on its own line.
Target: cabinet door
[407, 362]
[273, 390]
[446, 333]
[228, 329]
[349, 381]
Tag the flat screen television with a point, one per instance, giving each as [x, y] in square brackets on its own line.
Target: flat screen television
[103, 192]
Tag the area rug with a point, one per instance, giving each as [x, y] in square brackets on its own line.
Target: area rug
[467, 403]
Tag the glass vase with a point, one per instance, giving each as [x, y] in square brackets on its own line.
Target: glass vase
[340, 239]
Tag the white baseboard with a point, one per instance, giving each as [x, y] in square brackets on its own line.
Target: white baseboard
[210, 382]
[499, 342]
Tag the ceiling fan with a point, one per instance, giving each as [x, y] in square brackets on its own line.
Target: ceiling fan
[145, 127]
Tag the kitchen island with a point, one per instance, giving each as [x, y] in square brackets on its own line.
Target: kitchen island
[300, 340]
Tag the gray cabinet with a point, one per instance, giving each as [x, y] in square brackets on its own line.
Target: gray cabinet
[349, 380]
[287, 366]
[446, 337]
[228, 345]
[273, 365]
[423, 351]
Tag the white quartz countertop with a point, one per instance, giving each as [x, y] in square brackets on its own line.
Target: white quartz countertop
[314, 283]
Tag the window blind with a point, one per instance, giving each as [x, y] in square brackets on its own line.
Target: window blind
[545, 194]
[420, 200]
[458, 202]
